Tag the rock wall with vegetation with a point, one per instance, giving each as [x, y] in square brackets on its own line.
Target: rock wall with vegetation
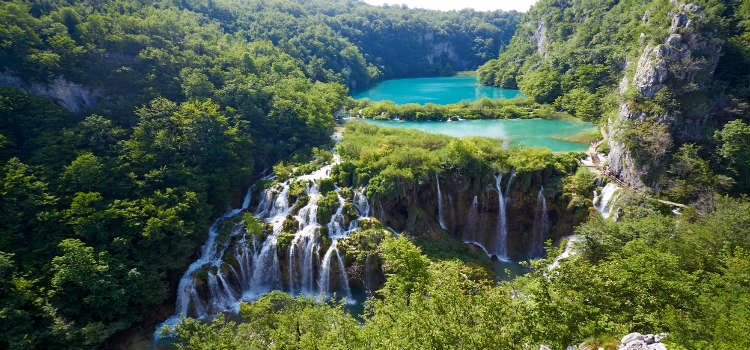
[668, 81]
[402, 167]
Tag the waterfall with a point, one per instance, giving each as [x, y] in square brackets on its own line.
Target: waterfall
[501, 249]
[507, 186]
[604, 202]
[336, 225]
[306, 239]
[470, 229]
[258, 269]
[440, 203]
[325, 273]
[541, 226]
[567, 251]
[344, 278]
[187, 296]
[266, 268]
[361, 203]
[324, 282]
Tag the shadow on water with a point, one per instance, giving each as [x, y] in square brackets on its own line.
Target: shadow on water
[508, 270]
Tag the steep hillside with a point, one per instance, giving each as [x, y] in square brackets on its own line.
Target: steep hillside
[663, 78]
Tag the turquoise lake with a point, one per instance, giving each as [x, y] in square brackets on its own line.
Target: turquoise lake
[437, 90]
[524, 132]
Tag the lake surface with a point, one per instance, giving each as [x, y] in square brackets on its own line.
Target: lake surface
[523, 132]
[437, 90]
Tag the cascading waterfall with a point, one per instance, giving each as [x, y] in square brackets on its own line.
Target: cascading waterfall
[541, 226]
[567, 252]
[470, 234]
[440, 203]
[501, 249]
[187, 295]
[325, 273]
[258, 269]
[306, 240]
[604, 201]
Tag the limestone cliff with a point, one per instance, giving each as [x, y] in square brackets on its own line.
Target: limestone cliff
[478, 221]
[73, 97]
[681, 67]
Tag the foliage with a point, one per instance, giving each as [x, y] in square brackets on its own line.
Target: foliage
[647, 273]
[482, 109]
[394, 162]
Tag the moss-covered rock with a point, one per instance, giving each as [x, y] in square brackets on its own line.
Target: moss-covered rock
[327, 207]
[284, 240]
[290, 225]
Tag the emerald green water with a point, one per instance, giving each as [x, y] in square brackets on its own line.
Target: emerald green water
[524, 132]
[437, 90]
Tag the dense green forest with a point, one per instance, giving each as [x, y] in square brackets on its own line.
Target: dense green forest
[172, 107]
[127, 126]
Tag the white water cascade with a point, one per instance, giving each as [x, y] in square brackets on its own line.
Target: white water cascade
[501, 248]
[305, 241]
[325, 273]
[541, 226]
[256, 268]
[567, 252]
[440, 203]
[187, 296]
[604, 201]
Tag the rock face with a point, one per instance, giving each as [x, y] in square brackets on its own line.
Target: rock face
[540, 37]
[684, 63]
[638, 341]
[479, 223]
[73, 97]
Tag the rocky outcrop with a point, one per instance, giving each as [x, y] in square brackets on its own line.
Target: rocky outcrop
[445, 50]
[684, 63]
[73, 97]
[540, 37]
[632, 341]
[638, 341]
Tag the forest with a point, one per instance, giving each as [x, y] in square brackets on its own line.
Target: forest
[128, 126]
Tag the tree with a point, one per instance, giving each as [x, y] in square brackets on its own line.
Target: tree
[541, 85]
[734, 140]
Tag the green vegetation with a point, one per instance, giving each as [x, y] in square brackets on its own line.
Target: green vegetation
[393, 162]
[187, 102]
[582, 56]
[483, 109]
[687, 276]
